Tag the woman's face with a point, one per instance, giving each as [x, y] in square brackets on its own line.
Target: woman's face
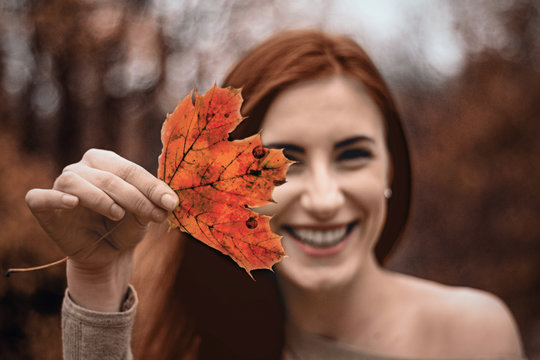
[332, 208]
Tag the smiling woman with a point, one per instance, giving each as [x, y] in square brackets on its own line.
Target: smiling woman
[340, 212]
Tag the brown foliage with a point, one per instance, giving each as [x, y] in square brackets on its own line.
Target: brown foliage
[29, 302]
[474, 145]
[475, 155]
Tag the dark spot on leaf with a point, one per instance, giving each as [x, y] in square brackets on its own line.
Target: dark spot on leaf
[251, 223]
[226, 115]
[258, 152]
[255, 172]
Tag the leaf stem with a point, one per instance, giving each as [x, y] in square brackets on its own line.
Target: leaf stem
[17, 270]
[88, 247]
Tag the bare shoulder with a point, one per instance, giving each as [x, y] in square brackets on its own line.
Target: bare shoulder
[481, 321]
[465, 322]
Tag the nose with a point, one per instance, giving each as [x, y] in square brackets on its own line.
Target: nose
[322, 196]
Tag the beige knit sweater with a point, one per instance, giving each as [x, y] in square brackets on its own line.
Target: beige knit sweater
[92, 335]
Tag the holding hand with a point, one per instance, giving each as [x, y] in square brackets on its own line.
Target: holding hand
[101, 192]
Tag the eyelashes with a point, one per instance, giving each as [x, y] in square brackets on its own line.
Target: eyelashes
[289, 155]
[346, 156]
[353, 154]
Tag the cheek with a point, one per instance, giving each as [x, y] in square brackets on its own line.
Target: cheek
[282, 195]
[366, 191]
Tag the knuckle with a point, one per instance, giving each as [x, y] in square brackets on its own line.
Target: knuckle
[128, 171]
[90, 154]
[93, 155]
[107, 181]
[152, 189]
[65, 181]
[70, 167]
[141, 205]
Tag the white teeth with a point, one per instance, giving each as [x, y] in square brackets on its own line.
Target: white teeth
[320, 238]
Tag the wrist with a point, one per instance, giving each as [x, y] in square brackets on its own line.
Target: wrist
[102, 289]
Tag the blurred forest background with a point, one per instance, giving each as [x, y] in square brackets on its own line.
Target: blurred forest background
[76, 74]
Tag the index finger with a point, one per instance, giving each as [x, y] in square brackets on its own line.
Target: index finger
[153, 188]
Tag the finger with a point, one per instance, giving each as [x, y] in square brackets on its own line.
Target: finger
[122, 192]
[89, 195]
[47, 199]
[154, 189]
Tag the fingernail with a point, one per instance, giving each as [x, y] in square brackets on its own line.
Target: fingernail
[168, 201]
[69, 201]
[158, 215]
[117, 212]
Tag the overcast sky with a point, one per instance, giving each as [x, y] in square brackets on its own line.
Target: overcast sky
[403, 36]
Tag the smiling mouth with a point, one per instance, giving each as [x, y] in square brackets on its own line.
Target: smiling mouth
[320, 238]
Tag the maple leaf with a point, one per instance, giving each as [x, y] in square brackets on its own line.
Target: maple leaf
[217, 181]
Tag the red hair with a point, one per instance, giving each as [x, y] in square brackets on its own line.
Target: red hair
[292, 57]
[199, 303]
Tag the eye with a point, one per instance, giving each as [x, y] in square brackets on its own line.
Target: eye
[355, 154]
[290, 155]
[297, 166]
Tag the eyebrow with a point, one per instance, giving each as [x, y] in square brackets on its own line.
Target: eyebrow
[289, 147]
[355, 139]
[341, 144]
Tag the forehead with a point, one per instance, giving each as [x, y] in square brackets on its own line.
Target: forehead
[329, 108]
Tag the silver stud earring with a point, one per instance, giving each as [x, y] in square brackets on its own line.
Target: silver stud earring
[387, 193]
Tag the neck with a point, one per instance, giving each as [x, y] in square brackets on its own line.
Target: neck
[340, 312]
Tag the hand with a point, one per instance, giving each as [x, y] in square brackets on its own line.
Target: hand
[103, 194]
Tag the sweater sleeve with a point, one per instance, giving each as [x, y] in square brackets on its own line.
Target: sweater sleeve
[88, 334]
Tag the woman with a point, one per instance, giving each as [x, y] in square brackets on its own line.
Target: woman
[342, 209]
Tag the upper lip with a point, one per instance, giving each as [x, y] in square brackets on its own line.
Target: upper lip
[319, 227]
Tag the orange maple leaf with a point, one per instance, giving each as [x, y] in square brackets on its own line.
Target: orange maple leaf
[218, 180]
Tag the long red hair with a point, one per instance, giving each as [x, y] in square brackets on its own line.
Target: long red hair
[197, 303]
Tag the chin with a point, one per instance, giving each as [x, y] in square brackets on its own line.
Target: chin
[315, 279]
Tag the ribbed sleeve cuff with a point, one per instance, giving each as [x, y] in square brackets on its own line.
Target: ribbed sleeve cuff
[88, 334]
